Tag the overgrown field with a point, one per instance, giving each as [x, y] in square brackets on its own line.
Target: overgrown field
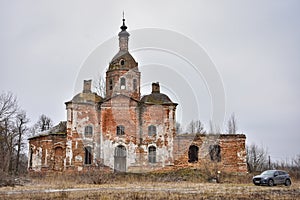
[180, 184]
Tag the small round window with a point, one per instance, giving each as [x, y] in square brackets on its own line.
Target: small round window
[122, 62]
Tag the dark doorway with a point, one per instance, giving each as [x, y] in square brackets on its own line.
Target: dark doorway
[87, 155]
[120, 159]
[193, 154]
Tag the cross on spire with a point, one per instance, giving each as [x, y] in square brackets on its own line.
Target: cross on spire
[123, 27]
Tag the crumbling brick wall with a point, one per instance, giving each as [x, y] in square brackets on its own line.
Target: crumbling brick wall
[232, 155]
[47, 153]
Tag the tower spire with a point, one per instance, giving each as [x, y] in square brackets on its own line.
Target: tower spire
[123, 27]
[123, 36]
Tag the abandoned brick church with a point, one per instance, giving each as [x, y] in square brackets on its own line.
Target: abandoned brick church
[127, 132]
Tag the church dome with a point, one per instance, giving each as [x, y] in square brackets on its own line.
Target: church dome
[156, 98]
[86, 98]
[122, 60]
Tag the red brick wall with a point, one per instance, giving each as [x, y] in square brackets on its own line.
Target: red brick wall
[233, 153]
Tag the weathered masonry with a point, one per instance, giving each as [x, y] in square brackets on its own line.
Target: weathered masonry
[224, 152]
[126, 131]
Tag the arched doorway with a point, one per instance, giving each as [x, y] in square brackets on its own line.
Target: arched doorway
[58, 159]
[120, 159]
[193, 154]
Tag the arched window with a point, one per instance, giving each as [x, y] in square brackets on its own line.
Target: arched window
[151, 130]
[215, 153]
[134, 83]
[87, 155]
[110, 84]
[152, 154]
[120, 130]
[88, 131]
[193, 154]
[123, 83]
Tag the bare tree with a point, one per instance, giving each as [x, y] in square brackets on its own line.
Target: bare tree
[7, 144]
[191, 127]
[12, 129]
[8, 105]
[21, 121]
[199, 127]
[257, 159]
[178, 128]
[44, 123]
[100, 86]
[8, 110]
[214, 129]
[232, 125]
[291, 165]
[196, 127]
[296, 161]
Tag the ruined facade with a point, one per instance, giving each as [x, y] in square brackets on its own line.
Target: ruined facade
[127, 132]
[222, 152]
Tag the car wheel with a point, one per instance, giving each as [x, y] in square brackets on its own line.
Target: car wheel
[287, 182]
[270, 182]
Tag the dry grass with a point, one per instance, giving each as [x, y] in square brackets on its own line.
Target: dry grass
[180, 184]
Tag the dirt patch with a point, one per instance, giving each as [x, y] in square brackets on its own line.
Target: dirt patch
[155, 190]
[174, 184]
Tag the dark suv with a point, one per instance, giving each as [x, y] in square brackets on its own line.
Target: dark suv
[272, 177]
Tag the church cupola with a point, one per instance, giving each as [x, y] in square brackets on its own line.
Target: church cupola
[123, 76]
[123, 37]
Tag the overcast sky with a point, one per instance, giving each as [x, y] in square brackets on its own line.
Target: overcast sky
[254, 45]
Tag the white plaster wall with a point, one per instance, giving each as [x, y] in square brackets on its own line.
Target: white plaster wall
[37, 158]
[69, 152]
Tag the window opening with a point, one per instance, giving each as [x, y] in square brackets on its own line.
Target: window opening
[88, 131]
[88, 155]
[151, 130]
[152, 154]
[193, 154]
[134, 84]
[215, 153]
[120, 130]
[123, 83]
[110, 84]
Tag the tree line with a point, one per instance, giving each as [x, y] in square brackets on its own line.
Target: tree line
[197, 127]
[14, 131]
[258, 160]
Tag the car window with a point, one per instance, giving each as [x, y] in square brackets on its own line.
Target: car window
[276, 174]
[267, 173]
[281, 173]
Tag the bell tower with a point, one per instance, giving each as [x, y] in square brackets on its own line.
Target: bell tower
[123, 76]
